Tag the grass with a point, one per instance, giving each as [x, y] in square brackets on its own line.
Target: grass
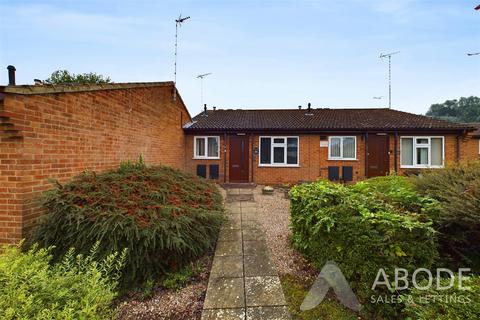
[295, 290]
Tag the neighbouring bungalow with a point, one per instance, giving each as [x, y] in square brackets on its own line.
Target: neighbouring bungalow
[293, 145]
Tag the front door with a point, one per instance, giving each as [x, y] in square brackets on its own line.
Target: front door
[378, 155]
[238, 159]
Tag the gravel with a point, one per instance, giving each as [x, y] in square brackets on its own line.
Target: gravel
[186, 303]
[274, 215]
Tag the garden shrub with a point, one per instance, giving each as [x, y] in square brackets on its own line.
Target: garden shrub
[78, 287]
[450, 304]
[458, 221]
[363, 228]
[164, 217]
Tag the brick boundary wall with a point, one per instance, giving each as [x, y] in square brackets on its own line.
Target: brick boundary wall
[58, 135]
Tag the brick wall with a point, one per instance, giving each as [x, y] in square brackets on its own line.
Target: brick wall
[63, 134]
[314, 161]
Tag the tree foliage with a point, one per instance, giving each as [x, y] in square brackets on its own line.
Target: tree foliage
[65, 77]
[462, 110]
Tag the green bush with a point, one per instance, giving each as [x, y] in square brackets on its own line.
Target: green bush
[451, 304]
[165, 218]
[363, 228]
[79, 287]
[458, 221]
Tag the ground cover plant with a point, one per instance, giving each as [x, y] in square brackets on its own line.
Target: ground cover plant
[379, 223]
[164, 217]
[77, 287]
[457, 188]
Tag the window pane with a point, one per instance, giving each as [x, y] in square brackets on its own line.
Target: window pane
[422, 156]
[278, 140]
[278, 155]
[437, 151]
[349, 148]
[292, 147]
[335, 147]
[407, 152]
[200, 147]
[213, 147]
[265, 151]
[422, 141]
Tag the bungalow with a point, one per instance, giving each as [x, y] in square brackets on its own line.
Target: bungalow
[291, 145]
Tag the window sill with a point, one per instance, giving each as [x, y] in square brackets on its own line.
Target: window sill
[279, 166]
[422, 167]
[196, 158]
[341, 159]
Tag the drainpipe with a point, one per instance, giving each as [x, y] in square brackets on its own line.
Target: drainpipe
[366, 154]
[395, 152]
[225, 157]
[458, 147]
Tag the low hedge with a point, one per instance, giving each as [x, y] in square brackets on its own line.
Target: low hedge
[450, 304]
[458, 221]
[164, 217]
[380, 223]
[78, 287]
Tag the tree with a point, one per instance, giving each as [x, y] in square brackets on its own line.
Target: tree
[65, 77]
[462, 110]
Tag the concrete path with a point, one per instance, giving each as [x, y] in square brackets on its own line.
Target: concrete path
[243, 283]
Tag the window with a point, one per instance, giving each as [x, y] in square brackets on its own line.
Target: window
[278, 151]
[421, 152]
[207, 148]
[342, 148]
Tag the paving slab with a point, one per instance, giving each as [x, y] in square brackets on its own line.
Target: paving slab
[227, 267]
[225, 293]
[268, 313]
[245, 191]
[249, 210]
[253, 234]
[224, 314]
[263, 291]
[251, 216]
[251, 248]
[248, 204]
[229, 248]
[249, 224]
[230, 235]
[232, 224]
[259, 265]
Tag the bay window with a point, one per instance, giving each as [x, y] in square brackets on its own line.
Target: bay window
[342, 148]
[207, 147]
[278, 151]
[421, 152]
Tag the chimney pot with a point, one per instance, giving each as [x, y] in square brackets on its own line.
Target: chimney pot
[11, 75]
[38, 82]
[299, 107]
[214, 108]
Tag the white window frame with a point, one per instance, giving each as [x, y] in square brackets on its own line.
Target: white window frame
[341, 148]
[414, 153]
[272, 144]
[206, 147]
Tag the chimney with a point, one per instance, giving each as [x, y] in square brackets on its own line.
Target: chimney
[11, 75]
[205, 110]
[299, 107]
[309, 110]
[214, 108]
[38, 82]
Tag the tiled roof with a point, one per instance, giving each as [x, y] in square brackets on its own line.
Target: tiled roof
[318, 120]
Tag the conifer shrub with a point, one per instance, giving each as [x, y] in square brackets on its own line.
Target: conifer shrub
[164, 217]
[457, 188]
[378, 223]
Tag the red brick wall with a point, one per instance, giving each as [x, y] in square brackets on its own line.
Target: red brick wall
[314, 159]
[67, 133]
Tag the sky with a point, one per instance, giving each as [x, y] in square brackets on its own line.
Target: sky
[262, 54]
